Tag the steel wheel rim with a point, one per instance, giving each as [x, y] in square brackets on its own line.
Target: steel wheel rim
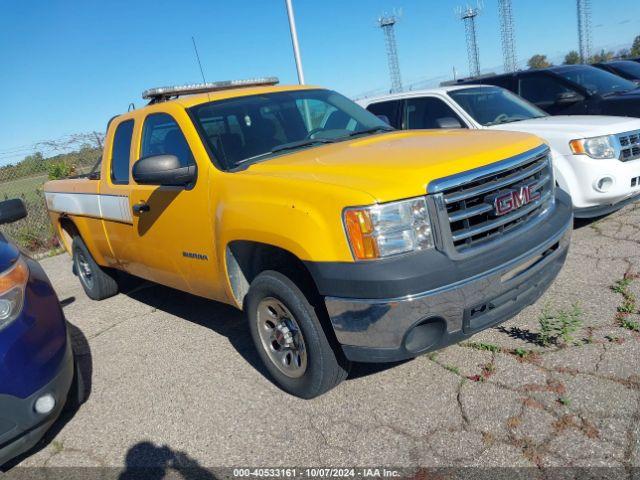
[84, 270]
[281, 337]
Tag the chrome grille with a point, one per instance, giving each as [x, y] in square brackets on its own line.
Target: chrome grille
[467, 217]
[629, 145]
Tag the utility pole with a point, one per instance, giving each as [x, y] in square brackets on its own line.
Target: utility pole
[507, 35]
[294, 41]
[387, 24]
[468, 15]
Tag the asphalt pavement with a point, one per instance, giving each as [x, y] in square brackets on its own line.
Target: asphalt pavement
[174, 380]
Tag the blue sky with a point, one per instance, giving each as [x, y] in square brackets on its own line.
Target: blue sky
[68, 66]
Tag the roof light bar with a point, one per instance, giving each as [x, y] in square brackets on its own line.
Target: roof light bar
[163, 93]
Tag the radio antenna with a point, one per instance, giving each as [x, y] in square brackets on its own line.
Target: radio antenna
[195, 49]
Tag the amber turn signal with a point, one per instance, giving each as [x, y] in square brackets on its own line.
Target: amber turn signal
[359, 229]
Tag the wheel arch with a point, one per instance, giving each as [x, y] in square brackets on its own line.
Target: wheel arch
[246, 259]
[69, 226]
[67, 229]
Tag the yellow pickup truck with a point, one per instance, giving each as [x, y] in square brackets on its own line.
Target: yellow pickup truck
[341, 239]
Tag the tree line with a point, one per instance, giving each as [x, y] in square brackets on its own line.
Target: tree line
[573, 57]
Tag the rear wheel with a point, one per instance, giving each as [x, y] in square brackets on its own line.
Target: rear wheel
[302, 358]
[97, 282]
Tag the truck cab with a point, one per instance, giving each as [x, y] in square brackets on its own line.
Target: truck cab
[341, 238]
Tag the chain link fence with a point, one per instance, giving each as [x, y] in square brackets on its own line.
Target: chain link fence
[25, 180]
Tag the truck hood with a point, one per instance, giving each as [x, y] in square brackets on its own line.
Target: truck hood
[573, 126]
[400, 164]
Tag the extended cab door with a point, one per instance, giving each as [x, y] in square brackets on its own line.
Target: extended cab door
[114, 198]
[174, 229]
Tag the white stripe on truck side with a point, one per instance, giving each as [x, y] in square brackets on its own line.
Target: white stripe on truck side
[107, 207]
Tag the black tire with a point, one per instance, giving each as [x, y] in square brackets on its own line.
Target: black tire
[98, 283]
[326, 365]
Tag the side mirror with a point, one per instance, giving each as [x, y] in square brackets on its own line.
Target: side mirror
[164, 170]
[12, 211]
[384, 118]
[567, 98]
[448, 123]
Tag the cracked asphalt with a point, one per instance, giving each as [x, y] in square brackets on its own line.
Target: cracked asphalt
[174, 375]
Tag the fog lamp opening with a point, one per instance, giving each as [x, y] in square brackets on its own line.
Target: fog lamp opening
[45, 404]
[603, 184]
[424, 335]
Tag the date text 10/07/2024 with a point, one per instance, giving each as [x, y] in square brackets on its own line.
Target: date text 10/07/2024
[316, 473]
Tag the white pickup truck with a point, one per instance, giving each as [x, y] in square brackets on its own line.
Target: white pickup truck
[596, 158]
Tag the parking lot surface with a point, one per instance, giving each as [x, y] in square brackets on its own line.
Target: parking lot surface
[175, 376]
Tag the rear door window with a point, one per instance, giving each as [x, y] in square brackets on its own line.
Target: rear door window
[161, 135]
[541, 89]
[391, 110]
[120, 153]
[429, 112]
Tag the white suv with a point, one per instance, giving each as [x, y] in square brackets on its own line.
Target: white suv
[596, 158]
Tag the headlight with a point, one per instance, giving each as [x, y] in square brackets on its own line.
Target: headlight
[596, 147]
[388, 229]
[12, 283]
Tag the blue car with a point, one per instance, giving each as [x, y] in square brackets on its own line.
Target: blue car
[36, 357]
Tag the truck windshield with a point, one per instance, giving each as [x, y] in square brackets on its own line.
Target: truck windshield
[494, 105]
[596, 81]
[249, 129]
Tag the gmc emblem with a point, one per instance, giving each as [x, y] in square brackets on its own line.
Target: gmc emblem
[513, 200]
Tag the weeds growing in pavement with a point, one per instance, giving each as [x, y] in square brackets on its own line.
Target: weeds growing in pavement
[559, 327]
[629, 303]
[521, 352]
[488, 347]
[630, 324]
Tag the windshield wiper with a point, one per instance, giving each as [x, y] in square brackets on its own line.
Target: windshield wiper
[371, 130]
[300, 144]
[287, 146]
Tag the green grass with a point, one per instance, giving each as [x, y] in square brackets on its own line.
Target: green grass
[28, 188]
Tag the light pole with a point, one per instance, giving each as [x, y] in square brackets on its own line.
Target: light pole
[294, 40]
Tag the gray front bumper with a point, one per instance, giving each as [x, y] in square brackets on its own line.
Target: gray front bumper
[380, 330]
[606, 209]
[20, 426]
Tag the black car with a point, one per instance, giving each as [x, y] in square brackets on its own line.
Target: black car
[623, 68]
[569, 90]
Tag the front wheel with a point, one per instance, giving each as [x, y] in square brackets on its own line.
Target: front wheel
[290, 339]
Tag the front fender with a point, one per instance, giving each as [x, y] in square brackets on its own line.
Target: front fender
[564, 173]
[298, 227]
